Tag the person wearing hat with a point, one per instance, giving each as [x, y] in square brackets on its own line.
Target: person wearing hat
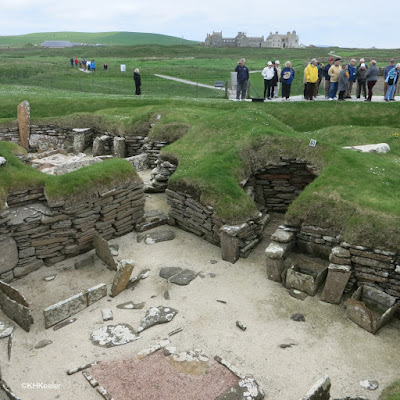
[287, 76]
[311, 74]
[371, 77]
[391, 80]
[269, 73]
[352, 70]
[385, 74]
[334, 73]
[278, 68]
[361, 81]
[327, 77]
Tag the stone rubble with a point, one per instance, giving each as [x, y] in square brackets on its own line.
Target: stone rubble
[157, 315]
[113, 335]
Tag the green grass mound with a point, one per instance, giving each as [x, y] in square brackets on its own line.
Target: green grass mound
[74, 186]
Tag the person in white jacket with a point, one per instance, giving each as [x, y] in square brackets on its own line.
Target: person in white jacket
[268, 73]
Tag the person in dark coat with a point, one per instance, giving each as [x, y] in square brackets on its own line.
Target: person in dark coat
[138, 82]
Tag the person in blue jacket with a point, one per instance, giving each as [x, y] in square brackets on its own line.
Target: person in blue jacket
[242, 79]
[287, 76]
[391, 80]
[352, 70]
[93, 66]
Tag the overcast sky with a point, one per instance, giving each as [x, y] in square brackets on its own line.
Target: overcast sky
[339, 23]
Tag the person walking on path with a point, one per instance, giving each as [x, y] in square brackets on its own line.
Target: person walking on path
[371, 77]
[311, 73]
[391, 80]
[343, 81]
[352, 69]
[138, 82]
[76, 62]
[327, 77]
[269, 74]
[385, 75]
[334, 73]
[287, 76]
[72, 62]
[278, 68]
[361, 81]
[242, 79]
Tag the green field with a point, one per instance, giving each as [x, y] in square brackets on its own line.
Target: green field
[108, 38]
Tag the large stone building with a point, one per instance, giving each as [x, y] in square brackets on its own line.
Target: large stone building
[290, 40]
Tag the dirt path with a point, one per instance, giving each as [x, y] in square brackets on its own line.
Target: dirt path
[187, 82]
[327, 343]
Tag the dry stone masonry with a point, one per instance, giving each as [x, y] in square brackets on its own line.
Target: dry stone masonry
[35, 231]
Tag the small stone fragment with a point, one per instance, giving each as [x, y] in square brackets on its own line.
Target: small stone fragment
[175, 331]
[240, 325]
[285, 346]
[6, 329]
[104, 393]
[93, 382]
[49, 278]
[212, 275]
[370, 385]
[157, 237]
[64, 323]
[297, 294]
[213, 261]
[184, 277]
[43, 343]
[157, 315]
[168, 272]
[222, 301]
[107, 314]
[81, 368]
[298, 318]
[166, 295]
[130, 305]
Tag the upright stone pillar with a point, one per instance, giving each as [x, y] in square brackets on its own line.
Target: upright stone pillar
[24, 123]
[119, 147]
[98, 147]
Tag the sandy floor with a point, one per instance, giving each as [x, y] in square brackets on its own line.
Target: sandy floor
[327, 343]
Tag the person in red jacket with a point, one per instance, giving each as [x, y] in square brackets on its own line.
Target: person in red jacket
[76, 62]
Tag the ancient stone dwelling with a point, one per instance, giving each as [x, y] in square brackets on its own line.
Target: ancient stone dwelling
[274, 40]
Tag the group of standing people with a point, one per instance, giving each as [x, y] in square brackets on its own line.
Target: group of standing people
[339, 80]
[86, 65]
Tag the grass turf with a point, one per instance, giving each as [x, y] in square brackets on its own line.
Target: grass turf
[221, 142]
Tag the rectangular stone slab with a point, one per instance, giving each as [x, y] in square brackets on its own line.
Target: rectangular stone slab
[17, 312]
[338, 276]
[274, 269]
[96, 293]
[229, 248]
[64, 309]
[121, 278]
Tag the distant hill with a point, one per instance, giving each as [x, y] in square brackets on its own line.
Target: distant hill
[109, 38]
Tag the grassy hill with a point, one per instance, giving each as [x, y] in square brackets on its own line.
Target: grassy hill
[109, 38]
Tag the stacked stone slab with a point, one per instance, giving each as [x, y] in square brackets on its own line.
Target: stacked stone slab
[48, 232]
[83, 138]
[277, 251]
[160, 175]
[275, 187]
[10, 133]
[153, 149]
[316, 241]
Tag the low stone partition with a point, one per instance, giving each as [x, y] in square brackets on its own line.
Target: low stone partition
[236, 240]
[10, 133]
[276, 186]
[35, 231]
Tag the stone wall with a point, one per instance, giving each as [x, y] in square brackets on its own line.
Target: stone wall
[51, 136]
[275, 187]
[9, 134]
[34, 231]
[236, 240]
[376, 267]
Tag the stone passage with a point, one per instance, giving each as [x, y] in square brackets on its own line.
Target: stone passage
[275, 187]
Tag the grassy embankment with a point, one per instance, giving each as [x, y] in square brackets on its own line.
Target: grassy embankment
[356, 194]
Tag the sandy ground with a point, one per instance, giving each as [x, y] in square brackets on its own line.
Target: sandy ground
[327, 343]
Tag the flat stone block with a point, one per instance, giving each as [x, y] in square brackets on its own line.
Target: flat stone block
[320, 391]
[121, 278]
[338, 276]
[275, 269]
[229, 248]
[8, 254]
[96, 293]
[276, 250]
[64, 309]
